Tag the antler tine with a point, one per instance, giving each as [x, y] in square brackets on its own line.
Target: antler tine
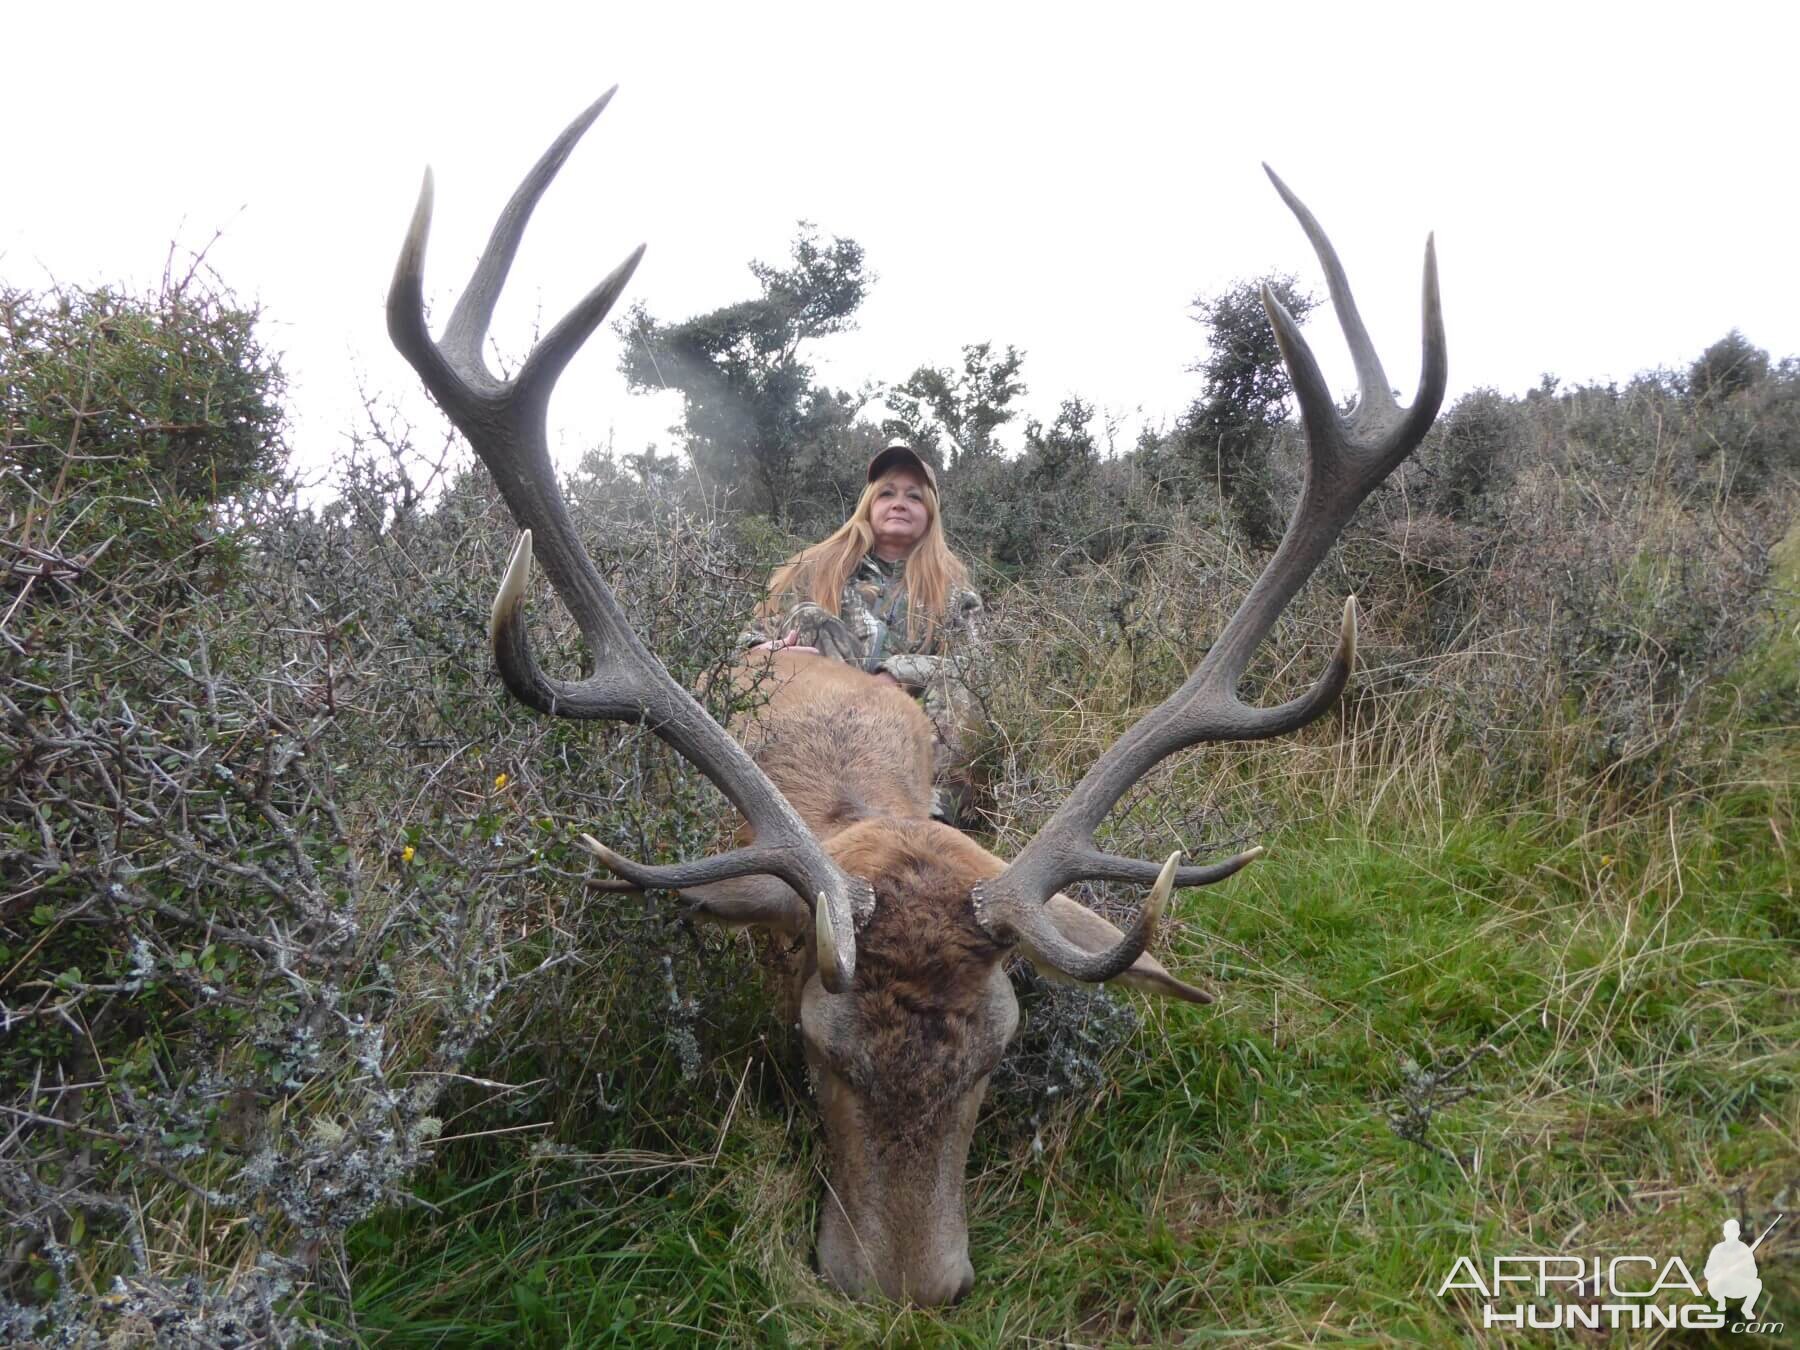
[1434, 357]
[406, 304]
[505, 423]
[1099, 866]
[740, 862]
[1376, 392]
[469, 321]
[1346, 459]
[1048, 947]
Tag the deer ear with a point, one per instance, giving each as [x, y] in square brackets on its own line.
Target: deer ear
[1087, 930]
[759, 901]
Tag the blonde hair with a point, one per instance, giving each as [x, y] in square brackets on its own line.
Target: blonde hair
[818, 573]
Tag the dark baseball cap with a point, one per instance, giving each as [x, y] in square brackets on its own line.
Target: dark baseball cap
[898, 453]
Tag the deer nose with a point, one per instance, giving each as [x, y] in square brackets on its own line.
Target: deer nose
[949, 1283]
[954, 1281]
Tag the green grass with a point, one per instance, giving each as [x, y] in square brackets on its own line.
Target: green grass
[1606, 997]
[1238, 1180]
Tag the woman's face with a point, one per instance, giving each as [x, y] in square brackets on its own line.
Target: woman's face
[898, 514]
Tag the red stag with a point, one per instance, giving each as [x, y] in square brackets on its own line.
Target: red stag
[905, 1006]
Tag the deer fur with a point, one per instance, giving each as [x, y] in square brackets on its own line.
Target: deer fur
[901, 1063]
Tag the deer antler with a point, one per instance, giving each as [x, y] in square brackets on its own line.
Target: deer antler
[505, 422]
[1346, 458]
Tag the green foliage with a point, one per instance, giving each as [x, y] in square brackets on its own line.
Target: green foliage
[969, 405]
[754, 419]
[1770, 681]
[170, 393]
[1468, 448]
[1729, 365]
[1063, 454]
[127, 423]
[1061, 503]
[1228, 433]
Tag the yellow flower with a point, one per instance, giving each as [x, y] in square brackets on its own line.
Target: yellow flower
[406, 854]
[499, 781]
[1606, 860]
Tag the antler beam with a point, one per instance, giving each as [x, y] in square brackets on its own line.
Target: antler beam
[1346, 458]
[505, 420]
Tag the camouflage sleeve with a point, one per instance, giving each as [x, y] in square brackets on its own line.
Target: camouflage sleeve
[768, 627]
[964, 626]
[915, 670]
[960, 644]
[758, 630]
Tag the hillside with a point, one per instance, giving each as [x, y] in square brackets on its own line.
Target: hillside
[315, 1016]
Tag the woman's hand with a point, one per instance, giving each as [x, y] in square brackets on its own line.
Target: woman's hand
[791, 643]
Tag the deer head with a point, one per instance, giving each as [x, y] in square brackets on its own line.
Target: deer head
[904, 1004]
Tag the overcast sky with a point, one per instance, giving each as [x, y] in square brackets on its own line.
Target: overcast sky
[1612, 187]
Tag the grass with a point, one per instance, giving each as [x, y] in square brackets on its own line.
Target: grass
[1477, 1001]
[1239, 1179]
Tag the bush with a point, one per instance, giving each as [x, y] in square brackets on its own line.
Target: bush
[278, 850]
[1471, 446]
[1729, 365]
[172, 391]
[1229, 433]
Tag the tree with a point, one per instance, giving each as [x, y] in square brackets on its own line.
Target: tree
[654, 470]
[1229, 431]
[970, 406]
[1471, 449]
[752, 412]
[1730, 364]
[1065, 452]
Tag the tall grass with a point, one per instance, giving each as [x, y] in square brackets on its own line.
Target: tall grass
[1489, 994]
[1257, 1168]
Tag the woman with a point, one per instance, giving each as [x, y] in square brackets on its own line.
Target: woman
[884, 593]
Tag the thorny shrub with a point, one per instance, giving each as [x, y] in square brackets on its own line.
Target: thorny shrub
[174, 387]
[283, 866]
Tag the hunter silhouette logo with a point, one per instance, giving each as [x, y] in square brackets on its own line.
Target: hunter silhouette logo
[1731, 1269]
[1639, 1292]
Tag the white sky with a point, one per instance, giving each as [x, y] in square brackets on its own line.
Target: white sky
[1612, 187]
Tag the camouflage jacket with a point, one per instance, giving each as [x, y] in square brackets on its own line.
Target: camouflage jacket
[869, 630]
